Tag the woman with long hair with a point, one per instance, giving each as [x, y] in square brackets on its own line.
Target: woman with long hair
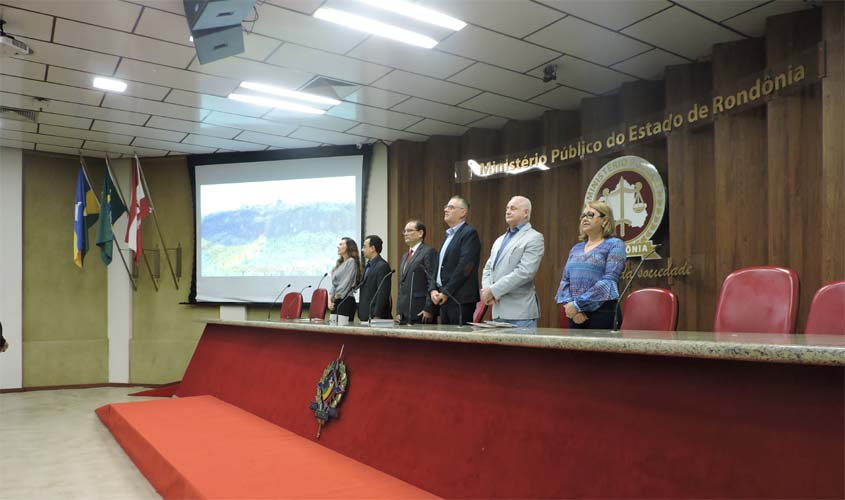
[345, 275]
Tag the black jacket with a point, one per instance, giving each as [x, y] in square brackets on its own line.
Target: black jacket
[423, 264]
[378, 270]
[459, 270]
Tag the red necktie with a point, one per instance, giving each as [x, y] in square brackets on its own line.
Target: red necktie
[410, 254]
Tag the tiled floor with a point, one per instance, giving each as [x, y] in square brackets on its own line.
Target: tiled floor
[52, 445]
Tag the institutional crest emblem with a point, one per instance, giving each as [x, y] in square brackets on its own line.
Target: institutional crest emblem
[634, 190]
[330, 390]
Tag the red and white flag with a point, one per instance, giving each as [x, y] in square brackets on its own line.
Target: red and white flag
[139, 209]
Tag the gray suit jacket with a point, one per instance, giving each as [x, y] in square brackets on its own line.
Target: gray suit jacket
[512, 279]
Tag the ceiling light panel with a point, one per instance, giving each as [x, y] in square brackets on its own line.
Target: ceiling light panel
[292, 94]
[374, 27]
[414, 11]
[274, 103]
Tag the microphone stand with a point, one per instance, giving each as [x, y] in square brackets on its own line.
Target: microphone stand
[410, 298]
[375, 296]
[305, 288]
[350, 294]
[625, 290]
[270, 309]
[321, 281]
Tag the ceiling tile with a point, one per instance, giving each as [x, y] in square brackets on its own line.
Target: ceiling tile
[512, 17]
[64, 120]
[27, 24]
[172, 146]
[9, 143]
[494, 122]
[258, 47]
[116, 15]
[504, 106]
[214, 103]
[434, 127]
[174, 6]
[18, 125]
[691, 35]
[373, 116]
[650, 65]
[324, 136]
[192, 127]
[586, 76]
[276, 141]
[561, 98]
[386, 134]
[176, 78]
[410, 58]
[24, 69]
[306, 30]
[246, 70]
[154, 107]
[121, 44]
[442, 112]
[319, 121]
[77, 110]
[375, 97]
[502, 81]
[613, 14]
[719, 10]
[119, 148]
[428, 88]
[49, 90]
[85, 80]
[304, 6]
[216, 142]
[493, 48]
[69, 57]
[134, 130]
[326, 63]
[247, 123]
[587, 41]
[164, 26]
[14, 135]
[71, 151]
[79, 133]
[753, 23]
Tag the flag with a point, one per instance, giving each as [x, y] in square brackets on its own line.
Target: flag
[111, 208]
[139, 209]
[85, 215]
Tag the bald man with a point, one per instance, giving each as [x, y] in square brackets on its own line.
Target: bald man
[508, 277]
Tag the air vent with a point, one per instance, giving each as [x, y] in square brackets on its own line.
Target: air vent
[22, 115]
[329, 88]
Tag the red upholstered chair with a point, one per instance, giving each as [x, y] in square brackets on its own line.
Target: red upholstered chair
[319, 304]
[480, 311]
[827, 312]
[292, 306]
[564, 321]
[760, 299]
[650, 309]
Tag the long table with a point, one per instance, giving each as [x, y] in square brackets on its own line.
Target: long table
[470, 413]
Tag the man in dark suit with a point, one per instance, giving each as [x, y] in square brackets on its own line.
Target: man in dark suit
[375, 270]
[457, 272]
[413, 303]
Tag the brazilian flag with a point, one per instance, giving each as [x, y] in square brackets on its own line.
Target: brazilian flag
[85, 215]
[111, 208]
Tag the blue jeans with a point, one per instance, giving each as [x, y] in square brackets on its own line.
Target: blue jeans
[520, 323]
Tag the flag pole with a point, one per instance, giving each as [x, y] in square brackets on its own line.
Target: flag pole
[113, 237]
[155, 219]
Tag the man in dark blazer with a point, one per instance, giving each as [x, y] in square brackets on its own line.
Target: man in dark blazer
[413, 302]
[455, 287]
[374, 272]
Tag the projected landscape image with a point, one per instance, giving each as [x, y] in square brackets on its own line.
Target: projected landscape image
[275, 228]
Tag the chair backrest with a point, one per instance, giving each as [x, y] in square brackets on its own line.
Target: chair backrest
[564, 321]
[827, 312]
[480, 311]
[292, 306]
[650, 309]
[760, 299]
[319, 304]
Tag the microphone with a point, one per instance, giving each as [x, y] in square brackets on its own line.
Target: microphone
[305, 288]
[270, 309]
[625, 290]
[321, 280]
[375, 295]
[410, 299]
[460, 312]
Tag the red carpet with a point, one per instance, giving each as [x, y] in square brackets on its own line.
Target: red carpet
[201, 447]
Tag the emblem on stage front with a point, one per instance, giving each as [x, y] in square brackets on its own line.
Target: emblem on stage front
[634, 190]
[330, 390]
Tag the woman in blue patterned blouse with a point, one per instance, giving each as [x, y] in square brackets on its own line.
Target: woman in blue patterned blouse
[589, 286]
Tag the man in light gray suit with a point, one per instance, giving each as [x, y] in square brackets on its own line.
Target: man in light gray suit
[508, 277]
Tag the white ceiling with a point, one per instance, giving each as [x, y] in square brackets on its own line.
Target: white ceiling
[481, 76]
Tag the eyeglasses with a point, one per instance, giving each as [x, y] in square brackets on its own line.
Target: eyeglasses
[590, 215]
[451, 207]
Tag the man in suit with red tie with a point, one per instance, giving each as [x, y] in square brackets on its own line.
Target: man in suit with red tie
[413, 303]
[455, 287]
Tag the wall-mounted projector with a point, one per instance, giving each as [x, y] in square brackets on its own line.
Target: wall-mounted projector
[11, 47]
[216, 27]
